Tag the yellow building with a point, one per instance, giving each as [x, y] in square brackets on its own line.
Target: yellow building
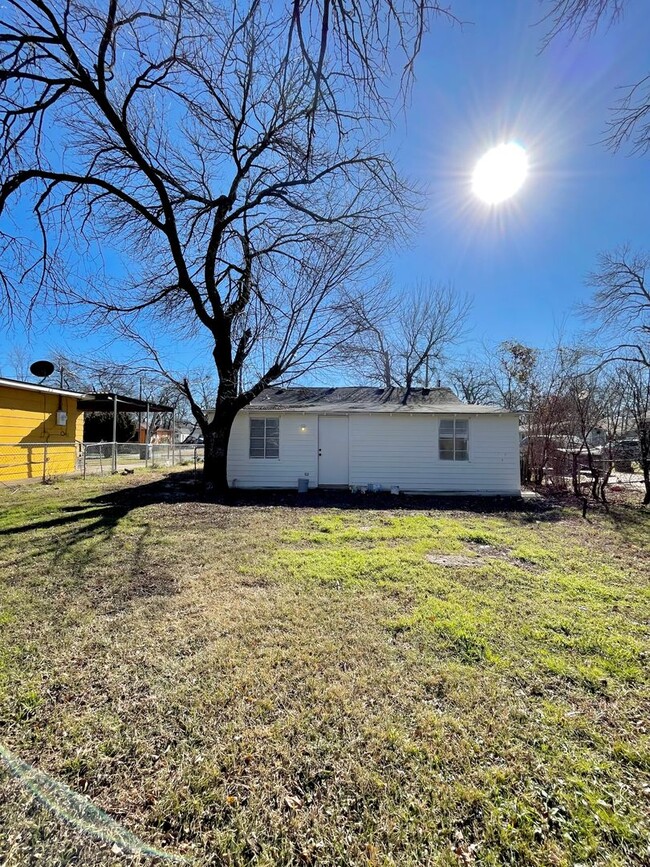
[41, 429]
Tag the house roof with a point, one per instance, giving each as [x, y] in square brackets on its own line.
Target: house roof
[366, 399]
[35, 386]
[90, 402]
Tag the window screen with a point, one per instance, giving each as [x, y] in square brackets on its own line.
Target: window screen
[453, 440]
[264, 438]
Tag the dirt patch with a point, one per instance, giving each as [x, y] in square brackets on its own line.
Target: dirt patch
[486, 550]
[483, 552]
[452, 560]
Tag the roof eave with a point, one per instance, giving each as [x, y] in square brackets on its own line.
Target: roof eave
[34, 386]
[104, 402]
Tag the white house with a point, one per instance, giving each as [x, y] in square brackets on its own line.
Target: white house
[374, 437]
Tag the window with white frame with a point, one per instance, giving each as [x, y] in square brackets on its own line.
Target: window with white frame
[265, 438]
[453, 440]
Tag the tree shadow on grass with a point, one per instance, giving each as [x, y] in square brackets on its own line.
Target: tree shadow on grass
[85, 535]
[518, 507]
[80, 537]
[99, 516]
[186, 488]
[632, 522]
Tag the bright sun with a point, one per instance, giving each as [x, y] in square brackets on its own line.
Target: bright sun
[500, 173]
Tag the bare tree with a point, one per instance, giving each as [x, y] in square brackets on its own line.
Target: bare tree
[533, 382]
[594, 404]
[630, 118]
[362, 38]
[637, 387]
[403, 340]
[226, 152]
[514, 374]
[581, 16]
[472, 381]
[104, 375]
[18, 358]
[621, 305]
[615, 399]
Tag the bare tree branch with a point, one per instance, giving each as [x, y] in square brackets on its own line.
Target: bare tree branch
[630, 118]
[407, 336]
[229, 154]
[621, 305]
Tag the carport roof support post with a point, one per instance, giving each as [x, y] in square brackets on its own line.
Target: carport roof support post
[114, 455]
[147, 439]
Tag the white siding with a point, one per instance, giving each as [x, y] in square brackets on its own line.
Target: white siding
[385, 450]
[298, 453]
[403, 450]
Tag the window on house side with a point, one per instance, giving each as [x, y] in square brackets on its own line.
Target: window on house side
[453, 440]
[264, 438]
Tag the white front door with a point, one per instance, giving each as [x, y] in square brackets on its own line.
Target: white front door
[333, 450]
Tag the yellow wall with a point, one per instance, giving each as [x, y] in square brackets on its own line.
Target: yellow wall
[30, 417]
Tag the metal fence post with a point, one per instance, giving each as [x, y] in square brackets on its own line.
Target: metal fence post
[44, 461]
[146, 439]
[114, 455]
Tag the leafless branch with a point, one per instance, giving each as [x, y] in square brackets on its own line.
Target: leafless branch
[228, 153]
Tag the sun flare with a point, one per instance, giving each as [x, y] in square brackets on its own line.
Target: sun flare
[500, 173]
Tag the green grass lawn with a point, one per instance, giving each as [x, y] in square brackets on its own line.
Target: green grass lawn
[271, 684]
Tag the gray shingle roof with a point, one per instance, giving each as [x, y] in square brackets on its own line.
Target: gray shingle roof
[364, 399]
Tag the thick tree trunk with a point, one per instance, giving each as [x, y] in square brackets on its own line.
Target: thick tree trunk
[216, 436]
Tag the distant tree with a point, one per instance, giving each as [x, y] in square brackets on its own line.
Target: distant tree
[595, 403]
[229, 152]
[621, 305]
[472, 381]
[514, 374]
[532, 382]
[637, 385]
[19, 360]
[107, 376]
[402, 341]
[98, 427]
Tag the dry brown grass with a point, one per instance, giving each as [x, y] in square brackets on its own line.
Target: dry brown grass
[267, 684]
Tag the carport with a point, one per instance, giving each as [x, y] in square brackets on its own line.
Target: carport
[115, 403]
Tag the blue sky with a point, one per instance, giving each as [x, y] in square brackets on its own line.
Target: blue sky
[524, 262]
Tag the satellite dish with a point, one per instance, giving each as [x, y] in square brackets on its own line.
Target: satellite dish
[42, 369]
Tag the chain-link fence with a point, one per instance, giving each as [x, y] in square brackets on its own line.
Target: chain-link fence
[102, 458]
[33, 460]
[189, 455]
[41, 461]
